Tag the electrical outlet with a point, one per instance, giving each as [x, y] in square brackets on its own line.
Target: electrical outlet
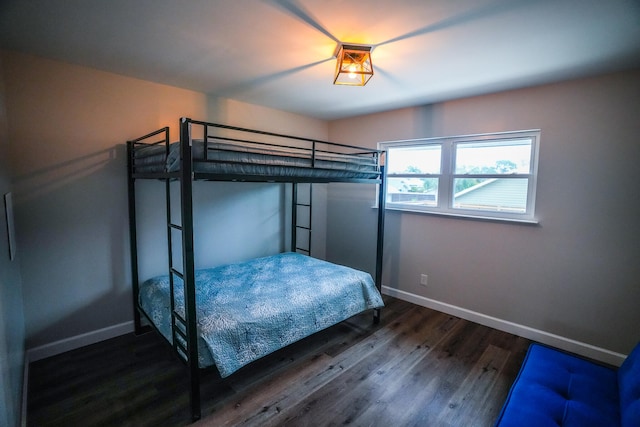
[423, 279]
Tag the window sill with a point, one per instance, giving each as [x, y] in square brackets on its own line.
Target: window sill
[467, 217]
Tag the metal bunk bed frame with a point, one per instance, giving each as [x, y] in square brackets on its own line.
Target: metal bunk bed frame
[184, 329]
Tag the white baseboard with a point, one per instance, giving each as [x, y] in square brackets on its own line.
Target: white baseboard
[71, 343]
[567, 344]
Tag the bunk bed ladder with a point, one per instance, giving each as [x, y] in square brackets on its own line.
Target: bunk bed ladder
[298, 223]
[178, 323]
[183, 325]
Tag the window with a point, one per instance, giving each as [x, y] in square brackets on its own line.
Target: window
[484, 176]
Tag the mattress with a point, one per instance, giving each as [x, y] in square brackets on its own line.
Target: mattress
[258, 160]
[250, 309]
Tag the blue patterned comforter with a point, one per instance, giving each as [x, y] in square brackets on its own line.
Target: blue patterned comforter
[250, 309]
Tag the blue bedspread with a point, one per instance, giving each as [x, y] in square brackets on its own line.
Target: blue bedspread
[250, 309]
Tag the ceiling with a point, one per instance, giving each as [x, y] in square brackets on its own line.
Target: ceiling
[279, 53]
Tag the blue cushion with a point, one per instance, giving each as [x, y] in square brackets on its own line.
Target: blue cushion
[629, 385]
[555, 388]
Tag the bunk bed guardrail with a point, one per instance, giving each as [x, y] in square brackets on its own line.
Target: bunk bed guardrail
[222, 151]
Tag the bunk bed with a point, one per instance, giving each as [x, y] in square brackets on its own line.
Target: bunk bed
[230, 315]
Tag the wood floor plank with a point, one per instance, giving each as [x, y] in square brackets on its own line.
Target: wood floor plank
[417, 367]
[270, 411]
[363, 385]
[266, 400]
[430, 380]
[469, 399]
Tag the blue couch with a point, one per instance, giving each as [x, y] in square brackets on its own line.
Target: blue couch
[554, 388]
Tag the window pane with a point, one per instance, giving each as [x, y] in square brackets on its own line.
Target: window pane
[498, 157]
[490, 194]
[413, 191]
[424, 159]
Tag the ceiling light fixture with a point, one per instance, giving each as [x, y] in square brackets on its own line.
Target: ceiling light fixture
[354, 67]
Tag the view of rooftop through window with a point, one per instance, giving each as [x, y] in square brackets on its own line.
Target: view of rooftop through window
[488, 173]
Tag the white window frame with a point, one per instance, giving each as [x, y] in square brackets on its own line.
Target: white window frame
[446, 177]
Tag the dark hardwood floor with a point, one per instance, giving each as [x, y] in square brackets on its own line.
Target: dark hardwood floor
[418, 367]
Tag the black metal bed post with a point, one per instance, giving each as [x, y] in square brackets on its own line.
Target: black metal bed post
[294, 216]
[186, 199]
[382, 199]
[310, 228]
[133, 239]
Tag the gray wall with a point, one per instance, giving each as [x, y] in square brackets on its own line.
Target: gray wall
[11, 315]
[232, 222]
[577, 273]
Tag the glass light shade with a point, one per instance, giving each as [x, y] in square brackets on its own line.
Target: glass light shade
[354, 67]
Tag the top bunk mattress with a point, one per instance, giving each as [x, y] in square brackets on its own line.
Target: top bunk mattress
[250, 309]
[246, 159]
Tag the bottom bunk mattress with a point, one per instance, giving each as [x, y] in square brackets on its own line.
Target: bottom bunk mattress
[250, 309]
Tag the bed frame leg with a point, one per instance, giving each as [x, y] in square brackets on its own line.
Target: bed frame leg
[380, 243]
[137, 322]
[194, 398]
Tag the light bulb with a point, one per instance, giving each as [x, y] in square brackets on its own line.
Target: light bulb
[352, 71]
